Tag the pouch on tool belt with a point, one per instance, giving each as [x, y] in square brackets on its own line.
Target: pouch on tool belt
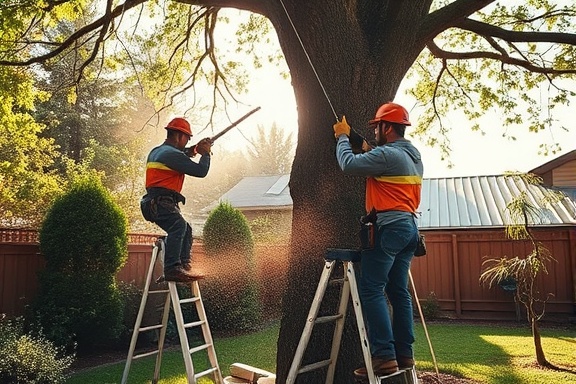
[368, 231]
[421, 246]
[148, 208]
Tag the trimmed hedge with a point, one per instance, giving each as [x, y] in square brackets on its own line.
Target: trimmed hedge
[84, 240]
[231, 292]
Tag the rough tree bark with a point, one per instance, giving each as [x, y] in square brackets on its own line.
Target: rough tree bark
[370, 46]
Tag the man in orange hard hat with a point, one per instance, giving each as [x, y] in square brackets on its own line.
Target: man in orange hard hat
[166, 167]
[393, 172]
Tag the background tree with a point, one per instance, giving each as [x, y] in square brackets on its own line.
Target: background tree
[487, 54]
[271, 153]
[525, 270]
[27, 185]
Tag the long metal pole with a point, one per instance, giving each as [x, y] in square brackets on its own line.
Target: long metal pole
[423, 322]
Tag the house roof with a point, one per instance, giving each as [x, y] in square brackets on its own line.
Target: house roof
[259, 192]
[555, 163]
[480, 201]
[452, 202]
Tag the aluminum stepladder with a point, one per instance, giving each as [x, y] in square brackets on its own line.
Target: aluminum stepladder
[349, 287]
[173, 299]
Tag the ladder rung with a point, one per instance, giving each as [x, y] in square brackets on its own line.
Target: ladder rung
[327, 319]
[144, 354]
[194, 324]
[150, 327]
[199, 348]
[189, 300]
[315, 366]
[206, 372]
[159, 291]
[337, 281]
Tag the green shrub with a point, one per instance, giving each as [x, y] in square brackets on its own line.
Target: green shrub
[227, 230]
[25, 358]
[84, 241]
[431, 308]
[230, 292]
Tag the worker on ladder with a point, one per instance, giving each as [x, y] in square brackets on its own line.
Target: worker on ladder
[393, 171]
[166, 167]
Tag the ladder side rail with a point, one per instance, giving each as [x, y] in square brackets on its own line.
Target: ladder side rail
[161, 338]
[140, 315]
[182, 332]
[312, 314]
[360, 322]
[207, 334]
[339, 328]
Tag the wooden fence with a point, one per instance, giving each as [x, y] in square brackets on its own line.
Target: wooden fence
[450, 271]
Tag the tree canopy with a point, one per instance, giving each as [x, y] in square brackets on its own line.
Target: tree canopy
[467, 55]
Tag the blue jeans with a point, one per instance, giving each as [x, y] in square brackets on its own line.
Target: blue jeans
[179, 232]
[385, 269]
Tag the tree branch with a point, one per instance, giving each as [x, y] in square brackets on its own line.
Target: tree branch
[502, 57]
[101, 22]
[448, 16]
[485, 29]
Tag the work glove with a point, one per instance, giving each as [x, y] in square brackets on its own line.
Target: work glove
[204, 146]
[341, 128]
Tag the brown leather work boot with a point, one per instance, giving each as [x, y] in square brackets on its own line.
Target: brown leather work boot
[405, 362]
[380, 366]
[179, 275]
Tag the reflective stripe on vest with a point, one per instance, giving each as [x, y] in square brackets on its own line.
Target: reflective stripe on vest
[393, 193]
[159, 175]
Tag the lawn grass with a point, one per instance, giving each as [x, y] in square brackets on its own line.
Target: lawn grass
[488, 354]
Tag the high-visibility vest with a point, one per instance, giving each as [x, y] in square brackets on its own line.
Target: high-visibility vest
[160, 175]
[393, 193]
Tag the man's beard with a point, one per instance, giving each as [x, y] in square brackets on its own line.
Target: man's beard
[382, 140]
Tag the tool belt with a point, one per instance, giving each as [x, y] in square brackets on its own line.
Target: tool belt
[369, 230]
[159, 197]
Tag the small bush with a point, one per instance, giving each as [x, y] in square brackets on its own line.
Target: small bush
[25, 358]
[230, 292]
[431, 308]
[227, 230]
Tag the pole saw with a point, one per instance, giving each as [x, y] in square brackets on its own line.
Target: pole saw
[191, 151]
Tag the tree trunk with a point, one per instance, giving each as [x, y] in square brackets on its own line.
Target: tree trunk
[540, 357]
[360, 68]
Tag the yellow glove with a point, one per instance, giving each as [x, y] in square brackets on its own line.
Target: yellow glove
[341, 128]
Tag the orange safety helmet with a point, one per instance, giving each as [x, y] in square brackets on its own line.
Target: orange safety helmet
[180, 124]
[391, 113]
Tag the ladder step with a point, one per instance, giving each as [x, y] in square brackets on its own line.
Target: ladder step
[149, 328]
[327, 319]
[159, 291]
[145, 354]
[206, 372]
[194, 324]
[199, 348]
[189, 300]
[315, 366]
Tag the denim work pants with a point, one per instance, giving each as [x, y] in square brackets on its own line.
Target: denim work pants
[179, 232]
[385, 269]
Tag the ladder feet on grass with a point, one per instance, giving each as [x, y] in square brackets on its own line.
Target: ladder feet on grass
[348, 288]
[172, 299]
[403, 376]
